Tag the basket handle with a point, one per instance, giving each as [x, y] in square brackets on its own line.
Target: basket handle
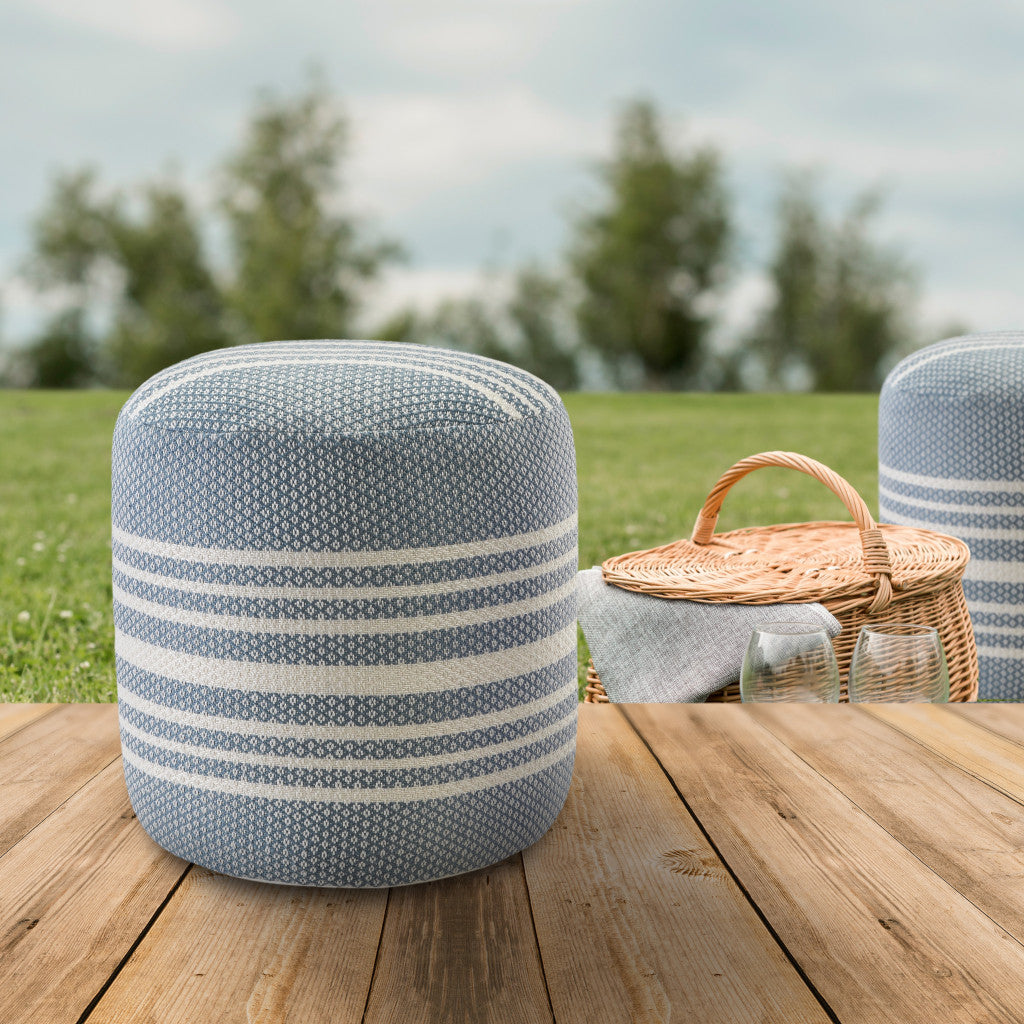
[876, 554]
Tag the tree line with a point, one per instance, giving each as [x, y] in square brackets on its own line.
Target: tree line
[636, 296]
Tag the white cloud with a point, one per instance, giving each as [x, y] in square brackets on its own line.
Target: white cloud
[868, 157]
[980, 309]
[167, 25]
[422, 288]
[23, 308]
[471, 42]
[464, 38]
[741, 303]
[408, 146]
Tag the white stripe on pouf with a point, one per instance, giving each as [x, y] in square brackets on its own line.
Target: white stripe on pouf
[945, 483]
[989, 571]
[943, 506]
[342, 733]
[1007, 653]
[447, 757]
[378, 558]
[957, 530]
[329, 360]
[296, 593]
[349, 680]
[915, 364]
[537, 392]
[984, 628]
[997, 608]
[345, 627]
[324, 794]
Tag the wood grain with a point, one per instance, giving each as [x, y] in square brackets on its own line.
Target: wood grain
[1006, 720]
[225, 950]
[76, 894]
[637, 918]
[15, 716]
[883, 845]
[962, 828]
[880, 935]
[462, 951]
[48, 759]
[970, 746]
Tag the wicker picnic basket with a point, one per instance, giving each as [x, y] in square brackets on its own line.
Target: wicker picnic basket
[860, 571]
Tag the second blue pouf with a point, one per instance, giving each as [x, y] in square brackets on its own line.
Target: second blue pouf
[951, 459]
[345, 610]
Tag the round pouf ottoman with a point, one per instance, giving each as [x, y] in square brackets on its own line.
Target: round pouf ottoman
[343, 578]
[951, 458]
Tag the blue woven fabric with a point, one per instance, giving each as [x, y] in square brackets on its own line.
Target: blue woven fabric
[951, 458]
[344, 602]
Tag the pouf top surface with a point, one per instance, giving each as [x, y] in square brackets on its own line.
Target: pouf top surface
[339, 387]
[972, 365]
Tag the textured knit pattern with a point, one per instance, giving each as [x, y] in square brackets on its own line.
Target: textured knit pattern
[951, 458]
[344, 600]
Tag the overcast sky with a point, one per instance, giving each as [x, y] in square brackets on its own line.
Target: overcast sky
[474, 123]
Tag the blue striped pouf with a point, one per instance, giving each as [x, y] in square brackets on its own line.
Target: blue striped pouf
[951, 458]
[345, 610]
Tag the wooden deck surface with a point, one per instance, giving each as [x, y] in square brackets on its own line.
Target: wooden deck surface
[714, 863]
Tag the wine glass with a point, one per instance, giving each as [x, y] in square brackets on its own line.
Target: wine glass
[790, 661]
[898, 662]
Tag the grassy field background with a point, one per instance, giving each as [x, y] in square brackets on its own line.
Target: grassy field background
[645, 461]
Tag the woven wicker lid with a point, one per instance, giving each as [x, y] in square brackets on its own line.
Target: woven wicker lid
[795, 562]
[792, 562]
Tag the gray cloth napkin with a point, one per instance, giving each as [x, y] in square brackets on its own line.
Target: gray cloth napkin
[650, 649]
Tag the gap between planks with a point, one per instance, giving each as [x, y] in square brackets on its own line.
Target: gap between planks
[228, 950]
[78, 891]
[636, 917]
[978, 748]
[842, 894]
[424, 962]
[961, 827]
[16, 716]
[49, 759]
[460, 950]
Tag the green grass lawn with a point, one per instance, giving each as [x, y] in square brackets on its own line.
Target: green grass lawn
[645, 463]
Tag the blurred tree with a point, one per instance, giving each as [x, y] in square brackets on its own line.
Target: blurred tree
[61, 357]
[841, 304]
[71, 237]
[170, 306]
[543, 341]
[530, 328]
[649, 259]
[403, 324]
[299, 263]
[143, 274]
[469, 324]
[133, 284]
[70, 244]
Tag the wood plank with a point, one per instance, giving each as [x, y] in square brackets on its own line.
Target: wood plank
[227, 950]
[880, 935]
[1006, 720]
[637, 918]
[77, 892]
[966, 831]
[42, 764]
[462, 951]
[15, 716]
[972, 747]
